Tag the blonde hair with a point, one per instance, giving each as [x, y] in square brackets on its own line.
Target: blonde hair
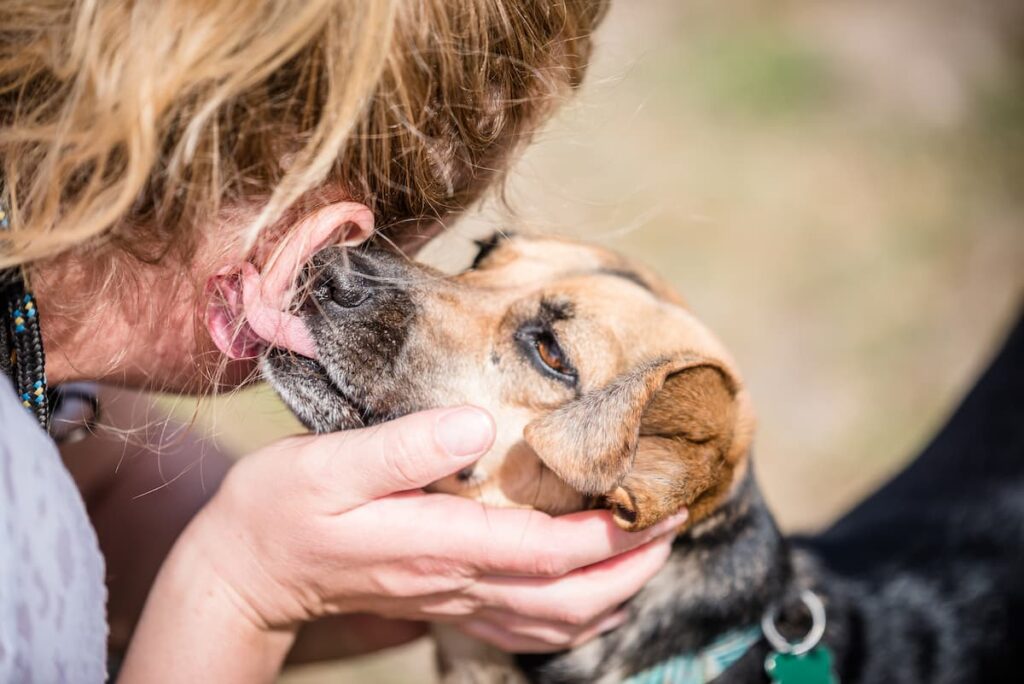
[131, 124]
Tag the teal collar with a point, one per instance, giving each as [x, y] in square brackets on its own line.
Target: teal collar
[704, 665]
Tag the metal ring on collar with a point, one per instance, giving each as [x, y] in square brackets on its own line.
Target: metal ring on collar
[783, 645]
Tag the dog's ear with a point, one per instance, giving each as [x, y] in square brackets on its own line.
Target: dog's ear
[664, 436]
[487, 246]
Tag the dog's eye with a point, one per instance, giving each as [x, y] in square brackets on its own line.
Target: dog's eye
[551, 354]
[543, 349]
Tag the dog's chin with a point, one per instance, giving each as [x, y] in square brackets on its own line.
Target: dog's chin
[355, 413]
[324, 401]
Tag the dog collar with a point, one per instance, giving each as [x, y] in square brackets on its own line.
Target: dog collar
[704, 665]
[807, 661]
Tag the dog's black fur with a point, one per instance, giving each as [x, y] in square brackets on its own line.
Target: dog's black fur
[923, 582]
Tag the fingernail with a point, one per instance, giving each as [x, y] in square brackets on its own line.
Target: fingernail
[465, 432]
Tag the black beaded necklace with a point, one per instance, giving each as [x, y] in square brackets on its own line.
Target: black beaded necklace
[21, 344]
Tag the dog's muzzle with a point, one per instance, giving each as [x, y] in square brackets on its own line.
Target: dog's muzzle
[350, 288]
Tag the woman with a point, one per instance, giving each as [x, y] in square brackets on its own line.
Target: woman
[168, 167]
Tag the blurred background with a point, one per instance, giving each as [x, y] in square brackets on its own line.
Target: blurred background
[837, 188]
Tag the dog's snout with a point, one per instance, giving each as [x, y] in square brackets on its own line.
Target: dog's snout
[348, 290]
[349, 282]
[360, 308]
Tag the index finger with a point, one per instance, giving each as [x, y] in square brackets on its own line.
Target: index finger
[481, 540]
[527, 542]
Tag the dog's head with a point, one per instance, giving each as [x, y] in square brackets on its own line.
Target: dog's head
[605, 389]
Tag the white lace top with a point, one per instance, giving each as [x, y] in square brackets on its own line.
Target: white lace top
[52, 597]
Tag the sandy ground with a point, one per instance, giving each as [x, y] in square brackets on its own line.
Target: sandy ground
[835, 187]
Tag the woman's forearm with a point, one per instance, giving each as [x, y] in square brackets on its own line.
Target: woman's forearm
[195, 629]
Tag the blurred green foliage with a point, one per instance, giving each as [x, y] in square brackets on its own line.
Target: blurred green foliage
[754, 71]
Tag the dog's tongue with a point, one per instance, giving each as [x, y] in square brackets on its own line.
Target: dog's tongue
[275, 327]
[265, 300]
[264, 325]
[282, 330]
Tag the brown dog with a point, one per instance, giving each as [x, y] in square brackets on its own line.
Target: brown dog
[608, 392]
[604, 387]
[607, 380]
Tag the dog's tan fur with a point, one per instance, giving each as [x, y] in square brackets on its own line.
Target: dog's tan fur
[647, 416]
[643, 412]
[660, 421]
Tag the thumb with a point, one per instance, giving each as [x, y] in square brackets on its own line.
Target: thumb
[403, 454]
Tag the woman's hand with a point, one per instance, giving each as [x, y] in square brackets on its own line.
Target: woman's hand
[322, 525]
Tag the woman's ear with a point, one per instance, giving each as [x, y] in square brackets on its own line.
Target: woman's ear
[249, 304]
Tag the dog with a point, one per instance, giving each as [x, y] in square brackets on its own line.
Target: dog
[608, 392]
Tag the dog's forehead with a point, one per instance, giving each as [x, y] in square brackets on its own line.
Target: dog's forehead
[519, 261]
[612, 298]
[645, 325]
[531, 259]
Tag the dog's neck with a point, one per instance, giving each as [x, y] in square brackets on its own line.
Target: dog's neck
[722, 575]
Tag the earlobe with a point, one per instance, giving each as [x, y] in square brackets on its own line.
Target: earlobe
[248, 308]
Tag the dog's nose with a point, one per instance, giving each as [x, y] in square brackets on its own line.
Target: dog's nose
[352, 287]
[348, 291]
